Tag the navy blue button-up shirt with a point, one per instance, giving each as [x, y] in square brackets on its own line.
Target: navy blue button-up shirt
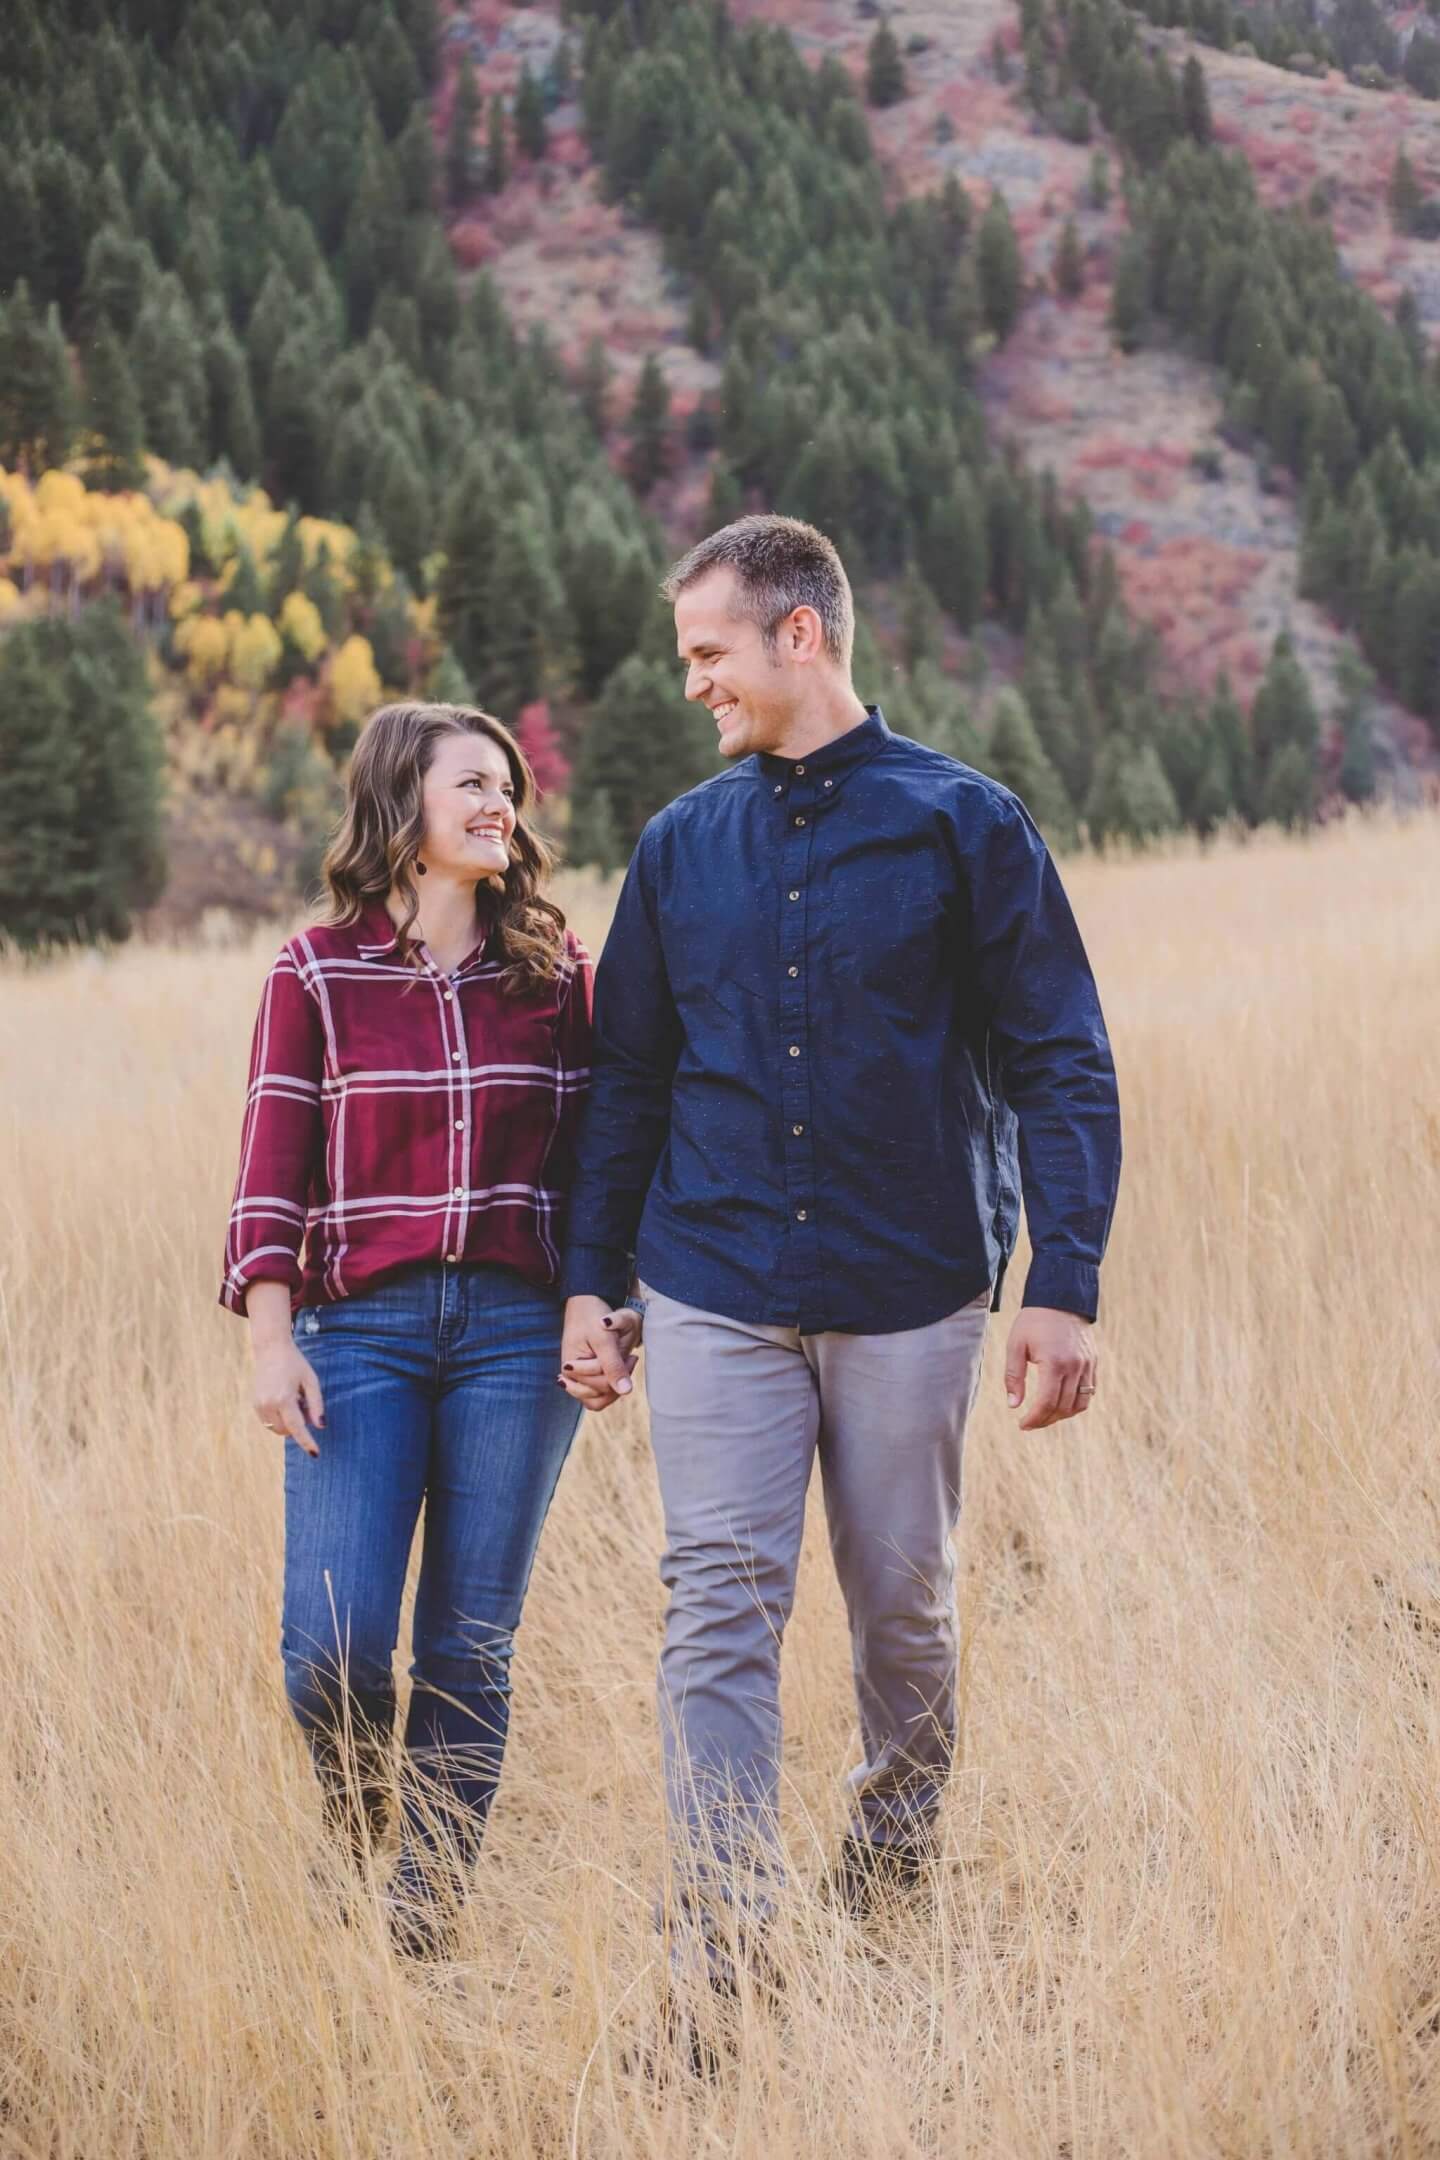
[842, 1019]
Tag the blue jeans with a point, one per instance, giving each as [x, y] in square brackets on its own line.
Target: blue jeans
[439, 1388]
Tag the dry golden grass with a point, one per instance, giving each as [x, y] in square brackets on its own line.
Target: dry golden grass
[1191, 1897]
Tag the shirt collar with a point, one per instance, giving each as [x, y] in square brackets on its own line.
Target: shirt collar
[377, 934]
[854, 747]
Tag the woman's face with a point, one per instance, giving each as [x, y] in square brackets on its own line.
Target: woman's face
[469, 803]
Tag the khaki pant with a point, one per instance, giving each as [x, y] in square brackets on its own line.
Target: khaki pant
[737, 1415]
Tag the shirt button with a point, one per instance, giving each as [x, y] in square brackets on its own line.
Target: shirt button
[797, 1130]
[459, 1124]
[799, 768]
[779, 791]
[454, 1057]
[800, 1214]
[794, 1049]
[799, 821]
[794, 971]
[451, 1258]
[449, 994]
[794, 896]
[459, 1190]
[829, 783]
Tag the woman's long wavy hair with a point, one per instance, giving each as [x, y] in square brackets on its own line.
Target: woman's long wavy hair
[382, 829]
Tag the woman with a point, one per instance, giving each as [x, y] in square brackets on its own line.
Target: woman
[418, 1065]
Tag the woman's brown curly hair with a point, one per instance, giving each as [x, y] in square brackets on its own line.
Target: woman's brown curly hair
[383, 825]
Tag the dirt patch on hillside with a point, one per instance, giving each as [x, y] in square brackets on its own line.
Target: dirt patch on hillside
[1210, 562]
[561, 255]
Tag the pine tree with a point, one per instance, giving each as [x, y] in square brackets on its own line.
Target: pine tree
[22, 243]
[1098, 181]
[1283, 717]
[1130, 798]
[117, 270]
[1233, 747]
[497, 151]
[1129, 295]
[406, 513]
[593, 389]
[649, 456]
[1013, 756]
[113, 460]
[393, 76]
[525, 602]
[80, 833]
[920, 623]
[531, 134]
[1000, 272]
[727, 496]
[464, 114]
[1069, 263]
[1195, 102]
[286, 564]
[234, 429]
[1357, 729]
[467, 539]
[244, 593]
[885, 82]
[1288, 794]
[641, 748]
[36, 396]
[954, 550]
[1415, 665]
[609, 583]
[1405, 195]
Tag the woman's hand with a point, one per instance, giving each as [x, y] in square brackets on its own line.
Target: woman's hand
[285, 1390]
[598, 1351]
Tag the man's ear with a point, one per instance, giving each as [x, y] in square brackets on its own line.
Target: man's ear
[804, 634]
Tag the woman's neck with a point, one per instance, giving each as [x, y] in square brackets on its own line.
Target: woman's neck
[448, 919]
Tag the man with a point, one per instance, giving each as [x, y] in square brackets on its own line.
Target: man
[843, 982]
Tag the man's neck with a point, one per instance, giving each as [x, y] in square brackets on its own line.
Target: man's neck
[822, 722]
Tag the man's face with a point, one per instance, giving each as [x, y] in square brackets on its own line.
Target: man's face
[751, 688]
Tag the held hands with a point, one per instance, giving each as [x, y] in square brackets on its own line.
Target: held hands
[1062, 1347]
[597, 1352]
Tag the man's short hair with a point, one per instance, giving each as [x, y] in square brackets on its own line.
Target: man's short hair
[780, 563]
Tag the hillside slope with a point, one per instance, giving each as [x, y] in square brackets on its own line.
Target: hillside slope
[1207, 553]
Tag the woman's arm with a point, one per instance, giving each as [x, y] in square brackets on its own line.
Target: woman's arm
[281, 1141]
[280, 1144]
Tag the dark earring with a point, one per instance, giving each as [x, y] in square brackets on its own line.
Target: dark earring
[419, 867]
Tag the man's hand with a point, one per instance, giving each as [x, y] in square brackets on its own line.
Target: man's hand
[1062, 1346]
[597, 1351]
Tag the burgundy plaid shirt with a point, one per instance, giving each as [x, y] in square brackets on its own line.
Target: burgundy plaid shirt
[388, 1124]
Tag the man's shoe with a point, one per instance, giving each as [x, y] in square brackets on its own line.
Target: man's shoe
[865, 1876]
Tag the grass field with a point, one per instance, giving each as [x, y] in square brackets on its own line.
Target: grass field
[1190, 1902]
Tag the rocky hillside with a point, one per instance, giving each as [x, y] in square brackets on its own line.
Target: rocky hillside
[1207, 544]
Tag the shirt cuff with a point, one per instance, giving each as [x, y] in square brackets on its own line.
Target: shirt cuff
[596, 1271]
[236, 1287]
[1071, 1286]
